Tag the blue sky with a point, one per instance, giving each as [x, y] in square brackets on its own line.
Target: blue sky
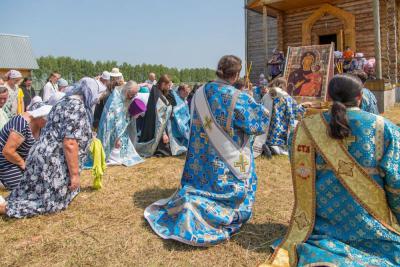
[176, 33]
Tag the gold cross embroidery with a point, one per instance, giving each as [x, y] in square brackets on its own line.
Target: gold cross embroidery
[349, 141]
[223, 178]
[346, 168]
[208, 123]
[242, 163]
[205, 137]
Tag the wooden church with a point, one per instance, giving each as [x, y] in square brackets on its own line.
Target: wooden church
[367, 26]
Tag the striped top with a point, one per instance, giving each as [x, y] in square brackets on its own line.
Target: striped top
[19, 125]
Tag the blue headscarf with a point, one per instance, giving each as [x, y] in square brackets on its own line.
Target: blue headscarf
[90, 91]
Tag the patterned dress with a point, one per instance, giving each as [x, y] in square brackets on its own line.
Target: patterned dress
[212, 203]
[11, 106]
[44, 185]
[11, 174]
[284, 115]
[345, 234]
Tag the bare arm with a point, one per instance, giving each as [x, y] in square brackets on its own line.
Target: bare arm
[10, 149]
[72, 156]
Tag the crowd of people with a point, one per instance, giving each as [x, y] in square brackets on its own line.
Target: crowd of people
[344, 161]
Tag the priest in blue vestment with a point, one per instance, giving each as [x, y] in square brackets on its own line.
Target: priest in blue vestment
[218, 184]
[114, 124]
[285, 113]
[156, 136]
[180, 122]
[369, 102]
[346, 179]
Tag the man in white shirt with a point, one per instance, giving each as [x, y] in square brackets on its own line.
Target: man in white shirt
[152, 79]
[51, 86]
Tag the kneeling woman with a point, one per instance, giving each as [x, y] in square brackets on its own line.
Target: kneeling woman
[16, 139]
[345, 167]
[219, 180]
[51, 179]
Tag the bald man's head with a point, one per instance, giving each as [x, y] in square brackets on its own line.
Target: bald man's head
[152, 76]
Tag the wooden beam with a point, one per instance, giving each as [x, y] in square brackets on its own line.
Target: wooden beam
[377, 30]
[281, 31]
[265, 31]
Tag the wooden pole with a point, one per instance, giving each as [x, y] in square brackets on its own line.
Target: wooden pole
[246, 31]
[265, 30]
[377, 30]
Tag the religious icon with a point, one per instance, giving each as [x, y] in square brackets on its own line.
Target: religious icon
[308, 71]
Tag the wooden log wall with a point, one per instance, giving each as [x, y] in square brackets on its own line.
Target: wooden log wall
[362, 9]
[255, 44]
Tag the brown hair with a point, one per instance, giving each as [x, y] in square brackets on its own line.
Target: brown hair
[182, 87]
[240, 84]
[280, 83]
[163, 79]
[344, 90]
[361, 75]
[228, 67]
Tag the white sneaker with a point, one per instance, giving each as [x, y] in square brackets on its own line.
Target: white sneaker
[2, 200]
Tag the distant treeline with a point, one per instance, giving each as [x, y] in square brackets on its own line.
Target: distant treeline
[74, 69]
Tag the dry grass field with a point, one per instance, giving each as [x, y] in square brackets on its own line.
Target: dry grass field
[106, 227]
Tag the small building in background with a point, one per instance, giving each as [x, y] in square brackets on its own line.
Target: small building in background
[16, 53]
[367, 26]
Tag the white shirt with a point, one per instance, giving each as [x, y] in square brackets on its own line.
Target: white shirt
[151, 82]
[49, 90]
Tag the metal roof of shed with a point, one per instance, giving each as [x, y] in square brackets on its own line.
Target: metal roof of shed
[16, 52]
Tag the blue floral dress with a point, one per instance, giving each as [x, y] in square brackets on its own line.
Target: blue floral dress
[44, 185]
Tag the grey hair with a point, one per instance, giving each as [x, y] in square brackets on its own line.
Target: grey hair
[129, 85]
[3, 89]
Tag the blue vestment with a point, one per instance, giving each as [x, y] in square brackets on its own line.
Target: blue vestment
[345, 233]
[284, 115]
[257, 95]
[113, 125]
[369, 102]
[212, 203]
[180, 122]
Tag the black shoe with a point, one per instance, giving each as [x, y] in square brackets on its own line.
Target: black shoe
[267, 151]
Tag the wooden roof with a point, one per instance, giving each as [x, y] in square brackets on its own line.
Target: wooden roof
[283, 5]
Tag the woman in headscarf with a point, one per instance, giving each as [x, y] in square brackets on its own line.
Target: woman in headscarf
[113, 127]
[52, 176]
[15, 101]
[16, 139]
